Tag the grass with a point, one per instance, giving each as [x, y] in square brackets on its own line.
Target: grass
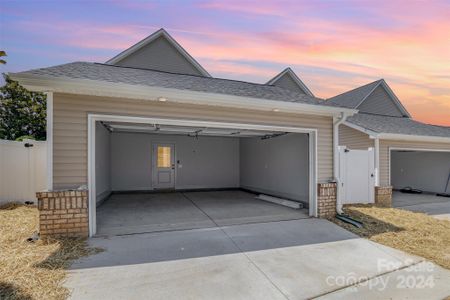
[412, 232]
[33, 270]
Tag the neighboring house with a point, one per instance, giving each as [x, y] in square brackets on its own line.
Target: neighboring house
[153, 118]
[407, 152]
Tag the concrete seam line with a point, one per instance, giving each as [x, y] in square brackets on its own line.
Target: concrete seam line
[366, 279]
[239, 248]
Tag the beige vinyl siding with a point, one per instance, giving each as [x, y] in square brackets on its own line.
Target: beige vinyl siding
[159, 55]
[70, 129]
[380, 103]
[354, 139]
[385, 156]
[287, 82]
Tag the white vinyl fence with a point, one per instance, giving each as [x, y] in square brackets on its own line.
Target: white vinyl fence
[23, 170]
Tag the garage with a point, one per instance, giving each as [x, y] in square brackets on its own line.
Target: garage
[424, 170]
[149, 175]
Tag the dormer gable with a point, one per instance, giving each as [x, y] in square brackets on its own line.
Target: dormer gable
[160, 52]
[289, 80]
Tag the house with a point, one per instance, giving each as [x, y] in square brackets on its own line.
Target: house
[153, 119]
[408, 153]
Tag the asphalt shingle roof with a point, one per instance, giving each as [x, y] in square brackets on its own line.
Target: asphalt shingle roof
[115, 74]
[397, 125]
[353, 98]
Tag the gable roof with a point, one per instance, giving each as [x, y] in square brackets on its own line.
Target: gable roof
[355, 98]
[161, 33]
[145, 77]
[377, 124]
[291, 74]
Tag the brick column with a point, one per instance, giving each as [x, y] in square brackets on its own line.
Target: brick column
[63, 213]
[326, 200]
[383, 196]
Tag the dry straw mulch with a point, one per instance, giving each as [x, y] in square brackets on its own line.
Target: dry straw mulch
[412, 232]
[33, 270]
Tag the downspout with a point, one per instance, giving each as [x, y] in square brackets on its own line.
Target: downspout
[377, 161]
[336, 123]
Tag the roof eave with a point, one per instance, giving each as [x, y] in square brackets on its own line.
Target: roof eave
[413, 138]
[397, 136]
[111, 89]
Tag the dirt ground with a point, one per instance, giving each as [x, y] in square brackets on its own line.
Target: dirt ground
[412, 232]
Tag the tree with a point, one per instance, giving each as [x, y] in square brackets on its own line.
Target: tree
[22, 113]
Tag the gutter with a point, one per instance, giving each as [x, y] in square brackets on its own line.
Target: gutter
[336, 123]
[143, 92]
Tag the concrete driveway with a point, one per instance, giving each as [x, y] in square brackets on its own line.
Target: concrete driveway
[296, 259]
[438, 207]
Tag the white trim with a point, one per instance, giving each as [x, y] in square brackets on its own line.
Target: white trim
[151, 38]
[313, 169]
[377, 161]
[49, 139]
[92, 118]
[370, 133]
[418, 138]
[390, 149]
[294, 77]
[391, 94]
[336, 166]
[138, 92]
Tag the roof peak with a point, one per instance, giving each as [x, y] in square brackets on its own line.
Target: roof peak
[148, 40]
[289, 72]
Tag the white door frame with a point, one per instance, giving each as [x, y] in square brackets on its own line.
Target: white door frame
[390, 149]
[92, 118]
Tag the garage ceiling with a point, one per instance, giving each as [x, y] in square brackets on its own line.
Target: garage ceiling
[187, 130]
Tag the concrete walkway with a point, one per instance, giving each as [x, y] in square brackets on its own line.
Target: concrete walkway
[297, 259]
[438, 207]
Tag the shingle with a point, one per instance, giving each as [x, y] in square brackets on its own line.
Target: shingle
[353, 98]
[398, 125]
[108, 73]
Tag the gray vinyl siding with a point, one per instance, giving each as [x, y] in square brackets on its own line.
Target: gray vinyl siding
[70, 153]
[354, 139]
[159, 55]
[385, 145]
[287, 82]
[379, 102]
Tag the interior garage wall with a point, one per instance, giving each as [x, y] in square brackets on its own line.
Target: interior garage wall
[277, 166]
[427, 171]
[206, 162]
[102, 162]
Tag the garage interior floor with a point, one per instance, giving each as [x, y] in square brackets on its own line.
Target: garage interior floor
[151, 212]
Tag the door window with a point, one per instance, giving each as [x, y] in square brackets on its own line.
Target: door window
[164, 159]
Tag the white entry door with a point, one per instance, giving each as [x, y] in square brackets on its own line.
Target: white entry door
[357, 174]
[163, 163]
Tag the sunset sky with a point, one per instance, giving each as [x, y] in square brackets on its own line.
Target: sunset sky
[333, 46]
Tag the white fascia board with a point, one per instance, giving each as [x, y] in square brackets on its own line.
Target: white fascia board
[413, 138]
[372, 134]
[120, 90]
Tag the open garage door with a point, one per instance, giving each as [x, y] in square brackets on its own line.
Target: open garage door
[426, 172]
[156, 174]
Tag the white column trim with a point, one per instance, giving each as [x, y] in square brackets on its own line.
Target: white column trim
[49, 138]
[377, 161]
